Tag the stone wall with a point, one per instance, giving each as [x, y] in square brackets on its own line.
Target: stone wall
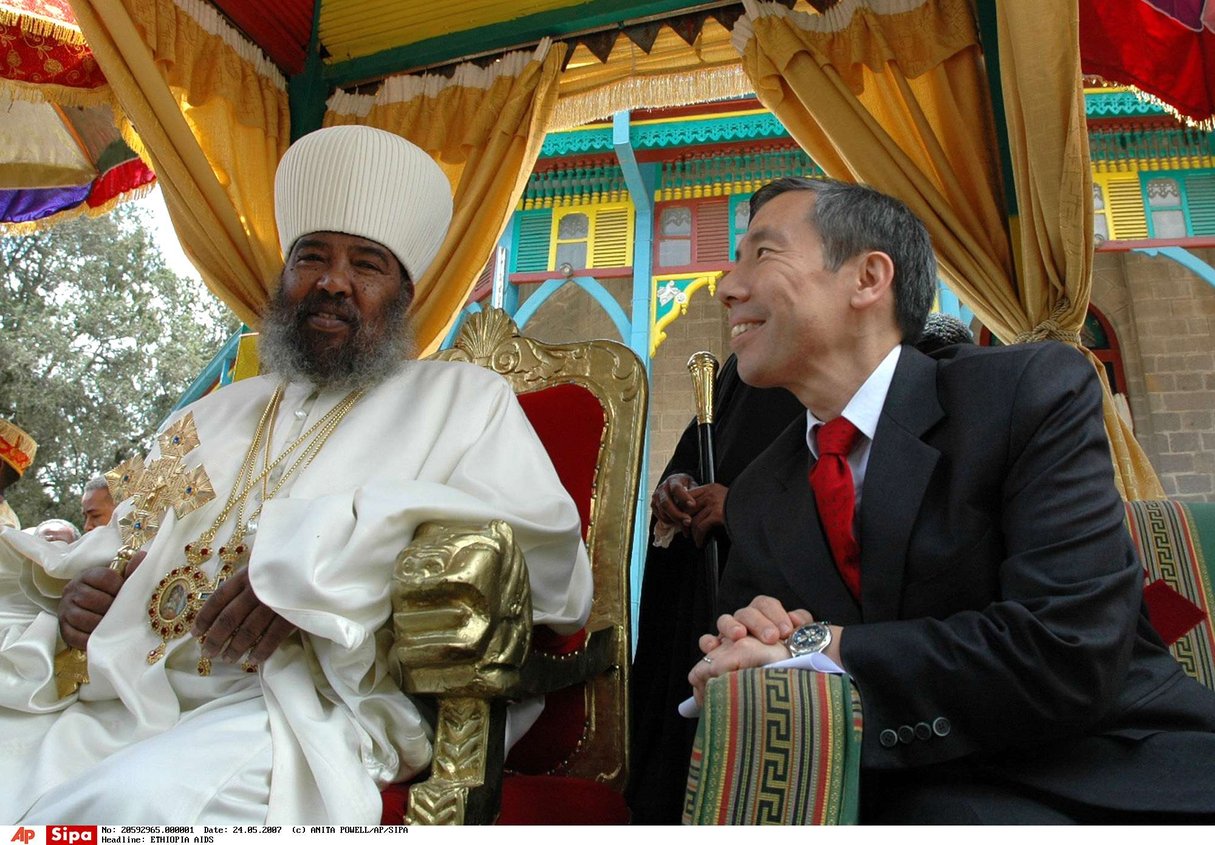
[1164, 316]
[572, 314]
[672, 405]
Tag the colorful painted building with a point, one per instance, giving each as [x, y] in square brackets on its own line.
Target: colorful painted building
[626, 226]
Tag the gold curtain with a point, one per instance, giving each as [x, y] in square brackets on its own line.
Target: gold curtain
[893, 93]
[484, 126]
[212, 117]
[1048, 139]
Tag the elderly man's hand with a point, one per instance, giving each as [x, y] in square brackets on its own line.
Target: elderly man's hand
[88, 597]
[233, 622]
[710, 511]
[672, 501]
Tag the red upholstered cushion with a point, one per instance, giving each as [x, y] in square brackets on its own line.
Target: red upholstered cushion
[396, 801]
[545, 799]
[561, 725]
[569, 421]
[535, 799]
[556, 734]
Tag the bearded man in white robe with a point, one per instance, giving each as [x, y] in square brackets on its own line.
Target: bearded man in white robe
[237, 664]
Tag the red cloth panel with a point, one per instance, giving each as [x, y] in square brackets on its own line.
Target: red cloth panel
[1171, 613]
[1131, 42]
[569, 422]
[119, 180]
[545, 799]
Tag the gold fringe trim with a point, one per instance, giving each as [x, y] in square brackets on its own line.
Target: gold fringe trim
[40, 26]
[59, 95]
[677, 89]
[31, 227]
[127, 130]
[1206, 124]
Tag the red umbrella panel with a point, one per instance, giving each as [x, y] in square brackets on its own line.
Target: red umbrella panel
[62, 154]
[1165, 48]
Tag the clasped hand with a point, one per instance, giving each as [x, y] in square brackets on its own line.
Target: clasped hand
[231, 623]
[748, 638]
[695, 510]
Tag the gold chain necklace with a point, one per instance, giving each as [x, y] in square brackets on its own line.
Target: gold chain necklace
[181, 594]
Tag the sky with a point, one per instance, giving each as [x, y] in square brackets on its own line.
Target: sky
[166, 238]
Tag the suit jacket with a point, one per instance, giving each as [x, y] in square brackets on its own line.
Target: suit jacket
[1001, 616]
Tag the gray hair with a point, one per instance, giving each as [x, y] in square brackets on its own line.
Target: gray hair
[97, 482]
[370, 356]
[851, 219]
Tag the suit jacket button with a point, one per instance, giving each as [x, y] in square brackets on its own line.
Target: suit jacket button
[923, 731]
[941, 726]
[906, 734]
[888, 738]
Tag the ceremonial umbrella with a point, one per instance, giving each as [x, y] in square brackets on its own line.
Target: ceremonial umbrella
[1164, 48]
[63, 154]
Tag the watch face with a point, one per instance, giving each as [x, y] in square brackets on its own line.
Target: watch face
[809, 639]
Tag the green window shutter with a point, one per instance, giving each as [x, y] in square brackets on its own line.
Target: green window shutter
[535, 229]
[713, 232]
[611, 247]
[1200, 202]
[1125, 202]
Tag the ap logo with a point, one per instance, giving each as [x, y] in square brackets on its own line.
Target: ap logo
[23, 835]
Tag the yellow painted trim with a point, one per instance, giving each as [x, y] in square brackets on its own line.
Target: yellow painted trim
[592, 211]
[702, 280]
[247, 364]
[700, 117]
[1104, 179]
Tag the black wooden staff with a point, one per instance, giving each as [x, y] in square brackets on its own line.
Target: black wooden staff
[703, 367]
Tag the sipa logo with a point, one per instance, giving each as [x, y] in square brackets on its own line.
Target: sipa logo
[72, 834]
[23, 835]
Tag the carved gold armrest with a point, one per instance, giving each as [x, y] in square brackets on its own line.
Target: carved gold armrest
[462, 616]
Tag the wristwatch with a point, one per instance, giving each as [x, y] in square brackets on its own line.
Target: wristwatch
[809, 639]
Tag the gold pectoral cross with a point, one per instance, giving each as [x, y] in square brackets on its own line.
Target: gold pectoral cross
[153, 487]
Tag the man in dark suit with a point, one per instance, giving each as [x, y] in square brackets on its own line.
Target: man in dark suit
[947, 530]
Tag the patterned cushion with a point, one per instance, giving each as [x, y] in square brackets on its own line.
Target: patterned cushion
[776, 746]
[1175, 540]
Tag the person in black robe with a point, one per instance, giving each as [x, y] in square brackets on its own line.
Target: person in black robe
[674, 609]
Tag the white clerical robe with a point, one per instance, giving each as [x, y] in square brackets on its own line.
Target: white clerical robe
[8, 517]
[321, 721]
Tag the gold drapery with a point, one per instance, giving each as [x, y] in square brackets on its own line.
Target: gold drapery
[893, 93]
[1048, 138]
[212, 117]
[484, 126]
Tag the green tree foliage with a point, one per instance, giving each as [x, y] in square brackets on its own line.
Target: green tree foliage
[98, 340]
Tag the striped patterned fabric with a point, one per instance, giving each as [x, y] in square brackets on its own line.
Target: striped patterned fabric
[1176, 544]
[776, 746]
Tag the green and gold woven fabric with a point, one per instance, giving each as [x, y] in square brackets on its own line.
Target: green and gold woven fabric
[776, 746]
[1176, 544]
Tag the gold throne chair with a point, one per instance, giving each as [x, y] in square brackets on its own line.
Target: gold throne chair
[587, 403]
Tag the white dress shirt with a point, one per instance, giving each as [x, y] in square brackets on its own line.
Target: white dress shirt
[863, 411]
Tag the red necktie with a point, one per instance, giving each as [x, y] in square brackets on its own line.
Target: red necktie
[831, 479]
